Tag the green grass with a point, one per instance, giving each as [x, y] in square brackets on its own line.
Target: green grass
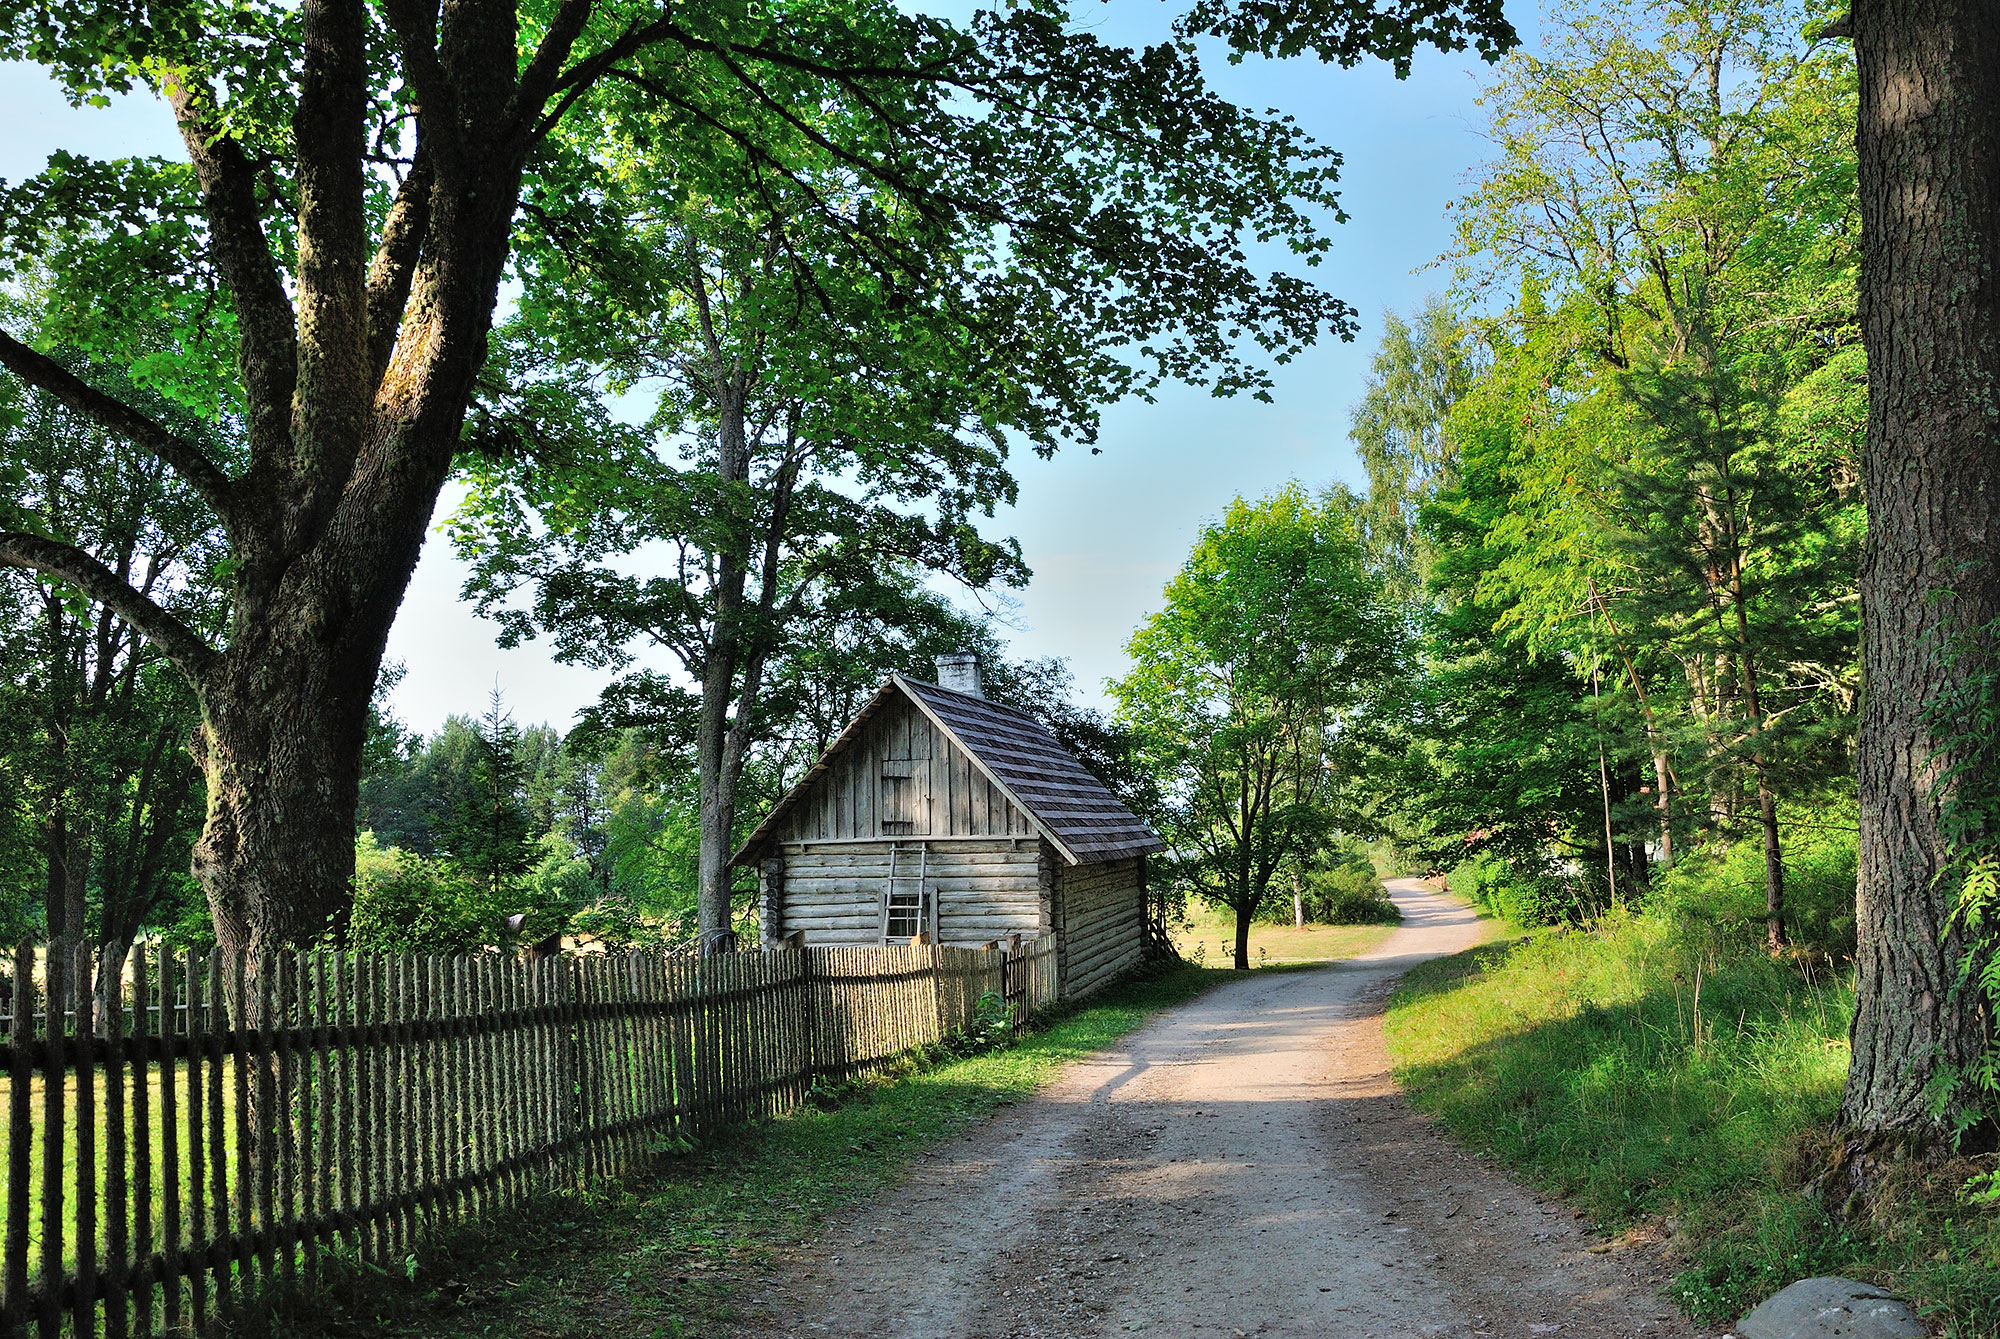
[1579, 1057]
[665, 1254]
[1209, 936]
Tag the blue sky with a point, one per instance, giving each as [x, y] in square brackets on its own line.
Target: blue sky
[1102, 532]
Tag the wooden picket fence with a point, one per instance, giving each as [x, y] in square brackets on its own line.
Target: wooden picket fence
[217, 1127]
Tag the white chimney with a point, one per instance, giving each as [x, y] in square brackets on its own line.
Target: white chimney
[959, 672]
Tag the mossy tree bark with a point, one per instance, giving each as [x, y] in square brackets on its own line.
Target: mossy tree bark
[357, 375]
[1929, 141]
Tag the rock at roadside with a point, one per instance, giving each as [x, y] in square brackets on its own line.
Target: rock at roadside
[1830, 1307]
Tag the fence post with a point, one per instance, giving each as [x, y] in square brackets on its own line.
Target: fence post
[808, 1014]
[1014, 979]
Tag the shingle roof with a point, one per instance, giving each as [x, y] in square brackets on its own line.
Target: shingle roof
[1071, 807]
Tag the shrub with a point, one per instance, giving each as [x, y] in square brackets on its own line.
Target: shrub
[1349, 894]
[1723, 887]
[1524, 894]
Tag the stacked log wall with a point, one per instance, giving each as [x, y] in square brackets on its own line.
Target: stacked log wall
[1103, 922]
[986, 888]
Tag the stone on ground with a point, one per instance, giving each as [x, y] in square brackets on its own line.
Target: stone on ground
[1828, 1307]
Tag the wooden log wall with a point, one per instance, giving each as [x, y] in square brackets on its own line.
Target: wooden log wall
[986, 889]
[1103, 923]
[217, 1127]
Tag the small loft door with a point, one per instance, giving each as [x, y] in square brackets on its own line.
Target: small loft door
[905, 806]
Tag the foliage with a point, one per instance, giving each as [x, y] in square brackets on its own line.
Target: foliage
[1633, 489]
[406, 902]
[101, 796]
[1272, 636]
[485, 832]
[1349, 893]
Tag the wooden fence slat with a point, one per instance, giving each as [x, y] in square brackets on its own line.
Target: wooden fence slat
[83, 1308]
[265, 1150]
[117, 1153]
[506, 979]
[20, 1140]
[215, 1015]
[55, 995]
[409, 1068]
[341, 1015]
[319, 1202]
[197, 1162]
[242, 1069]
[144, 992]
[143, 1168]
[294, 1146]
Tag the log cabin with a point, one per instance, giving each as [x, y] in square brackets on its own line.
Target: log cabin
[940, 816]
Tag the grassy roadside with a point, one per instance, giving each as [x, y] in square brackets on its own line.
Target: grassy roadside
[1581, 1058]
[666, 1254]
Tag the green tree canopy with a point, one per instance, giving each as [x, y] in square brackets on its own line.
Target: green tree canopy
[1273, 636]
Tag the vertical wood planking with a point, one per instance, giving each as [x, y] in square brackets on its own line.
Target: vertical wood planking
[117, 1152]
[20, 1139]
[83, 1308]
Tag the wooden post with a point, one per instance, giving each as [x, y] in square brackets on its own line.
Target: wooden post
[83, 1315]
[117, 1194]
[20, 1137]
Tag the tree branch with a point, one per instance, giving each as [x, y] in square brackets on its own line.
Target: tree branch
[395, 265]
[186, 459]
[242, 254]
[100, 583]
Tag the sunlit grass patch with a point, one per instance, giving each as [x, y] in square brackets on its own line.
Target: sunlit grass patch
[1210, 937]
[1656, 1073]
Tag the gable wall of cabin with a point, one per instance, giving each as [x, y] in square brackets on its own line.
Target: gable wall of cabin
[948, 796]
[1102, 916]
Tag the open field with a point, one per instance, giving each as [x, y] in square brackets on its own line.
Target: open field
[1210, 938]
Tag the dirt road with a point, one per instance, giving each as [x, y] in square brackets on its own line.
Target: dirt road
[1240, 1166]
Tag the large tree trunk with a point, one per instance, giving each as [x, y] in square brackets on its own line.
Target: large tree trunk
[282, 754]
[1929, 139]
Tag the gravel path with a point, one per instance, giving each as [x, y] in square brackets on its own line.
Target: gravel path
[1239, 1166]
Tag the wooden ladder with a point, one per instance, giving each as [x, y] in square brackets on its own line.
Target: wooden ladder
[924, 910]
